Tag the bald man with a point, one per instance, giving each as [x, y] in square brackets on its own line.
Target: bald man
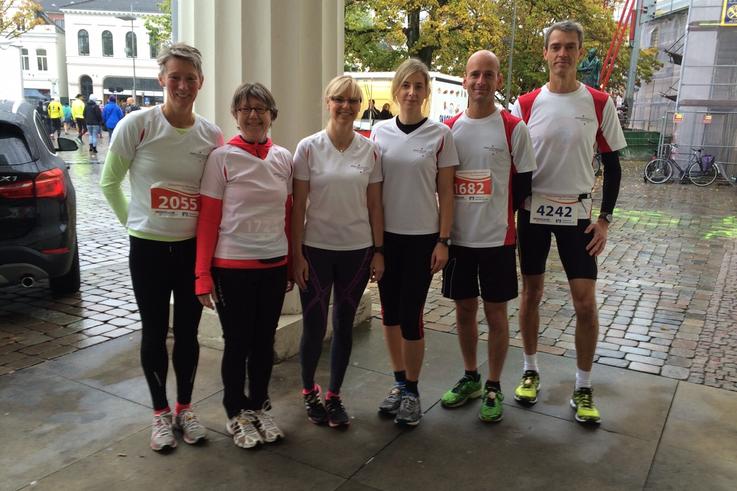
[495, 174]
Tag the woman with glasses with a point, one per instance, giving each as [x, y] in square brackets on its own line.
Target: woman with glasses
[419, 160]
[338, 240]
[242, 258]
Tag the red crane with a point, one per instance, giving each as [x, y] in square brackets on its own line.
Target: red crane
[626, 22]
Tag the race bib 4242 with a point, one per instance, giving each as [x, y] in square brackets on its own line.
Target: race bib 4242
[553, 210]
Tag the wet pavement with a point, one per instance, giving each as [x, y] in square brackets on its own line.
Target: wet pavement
[666, 289]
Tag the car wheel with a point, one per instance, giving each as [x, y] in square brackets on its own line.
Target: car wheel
[70, 282]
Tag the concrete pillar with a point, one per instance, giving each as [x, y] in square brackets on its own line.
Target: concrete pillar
[294, 47]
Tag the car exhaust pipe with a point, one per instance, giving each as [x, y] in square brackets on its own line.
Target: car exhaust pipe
[27, 281]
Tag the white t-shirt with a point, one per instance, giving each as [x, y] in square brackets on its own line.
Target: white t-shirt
[254, 193]
[410, 164]
[165, 171]
[337, 213]
[483, 215]
[564, 130]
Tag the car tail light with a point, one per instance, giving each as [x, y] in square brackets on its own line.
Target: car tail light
[50, 184]
[17, 190]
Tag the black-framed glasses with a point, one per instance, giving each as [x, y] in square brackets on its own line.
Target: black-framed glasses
[247, 110]
[342, 100]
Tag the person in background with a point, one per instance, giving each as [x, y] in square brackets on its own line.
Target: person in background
[55, 114]
[165, 150]
[93, 121]
[78, 106]
[371, 112]
[68, 120]
[341, 244]
[385, 112]
[111, 115]
[130, 105]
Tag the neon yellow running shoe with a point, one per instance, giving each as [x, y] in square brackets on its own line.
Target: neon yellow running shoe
[466, 388]
[529, 386]
[583, 402]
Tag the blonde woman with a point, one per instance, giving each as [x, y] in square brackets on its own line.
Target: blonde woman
[338, 240]
[418, 161]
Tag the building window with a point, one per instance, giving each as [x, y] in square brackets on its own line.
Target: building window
[25, 62]
[83, 43]
[154, 50]
[107, 43]
[41, 59]
[655, 38]
[131, 45]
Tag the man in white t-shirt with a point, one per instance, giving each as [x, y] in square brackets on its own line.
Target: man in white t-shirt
[566, 119]
[495, 154]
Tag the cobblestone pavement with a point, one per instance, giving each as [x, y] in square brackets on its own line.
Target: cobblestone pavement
[667, 287]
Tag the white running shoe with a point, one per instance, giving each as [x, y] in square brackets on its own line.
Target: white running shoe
[162, 436]
[191, 428]
[244, 431]
[266, 425]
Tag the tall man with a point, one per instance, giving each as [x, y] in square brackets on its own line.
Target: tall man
[566, 120]
[495, 153]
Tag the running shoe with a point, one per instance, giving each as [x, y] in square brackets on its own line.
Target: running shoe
[315, 409]
[243, 428]
[337, 415]
[492, 409]
[410, 411]
[162, 435]
[267, 427]
[191, 428]
[583, 402]
[528, 388]
[390, 405]
[466, 388]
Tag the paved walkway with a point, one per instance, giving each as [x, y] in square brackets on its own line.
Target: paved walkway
[81, 422]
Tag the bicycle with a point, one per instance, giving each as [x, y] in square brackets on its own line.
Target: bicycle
[596, 164]
[708, 172]
[697, 170]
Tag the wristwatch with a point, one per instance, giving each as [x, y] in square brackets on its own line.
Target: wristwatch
[607, 217]
[379, 250]
[444, 240]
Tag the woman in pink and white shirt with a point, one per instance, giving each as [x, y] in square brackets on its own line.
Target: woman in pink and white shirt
[242, 258]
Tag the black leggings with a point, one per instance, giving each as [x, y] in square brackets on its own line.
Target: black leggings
[249, 305]
[158, 269]
[349, 271]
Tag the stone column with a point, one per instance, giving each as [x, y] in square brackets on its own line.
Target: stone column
[294, 47]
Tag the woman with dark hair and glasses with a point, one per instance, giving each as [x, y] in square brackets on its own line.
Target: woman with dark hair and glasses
[340, 244]
[242, 259]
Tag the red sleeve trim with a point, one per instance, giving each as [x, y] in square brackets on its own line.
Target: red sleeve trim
[208, 224]
[600, 99]
[525, 103]
[450, 122]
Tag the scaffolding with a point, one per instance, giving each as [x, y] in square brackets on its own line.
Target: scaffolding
[692, 100]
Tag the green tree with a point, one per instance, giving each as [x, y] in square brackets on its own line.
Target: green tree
[158, 27]
[381, 33]
[18, 17]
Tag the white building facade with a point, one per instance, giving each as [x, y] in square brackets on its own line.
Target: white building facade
[42, 62]
[107, 53]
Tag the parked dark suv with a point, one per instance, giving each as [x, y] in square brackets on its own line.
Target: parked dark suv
[38, 233]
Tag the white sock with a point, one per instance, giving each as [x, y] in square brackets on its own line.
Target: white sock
[583, 379]
[530, 362]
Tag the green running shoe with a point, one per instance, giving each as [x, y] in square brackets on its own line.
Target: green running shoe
[466, 388]
[492, 409]
[583, 402]
[529, 386]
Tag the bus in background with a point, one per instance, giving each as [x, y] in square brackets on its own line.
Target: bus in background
[447, 97]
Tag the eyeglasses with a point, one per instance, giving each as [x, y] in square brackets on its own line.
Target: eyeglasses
[247, 110]
[342, 100]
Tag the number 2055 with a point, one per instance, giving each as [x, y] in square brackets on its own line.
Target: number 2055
[554, 211]
[178, 203]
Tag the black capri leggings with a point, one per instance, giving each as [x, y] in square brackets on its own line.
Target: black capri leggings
[158, 269]
[249, 305]
[407, 276]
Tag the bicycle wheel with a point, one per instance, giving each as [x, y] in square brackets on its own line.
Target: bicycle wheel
[658, 171]
[702, 177]
[596, 164]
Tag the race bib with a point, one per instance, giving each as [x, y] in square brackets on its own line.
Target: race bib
[473, 186]
[175, 200]
[554, 210]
